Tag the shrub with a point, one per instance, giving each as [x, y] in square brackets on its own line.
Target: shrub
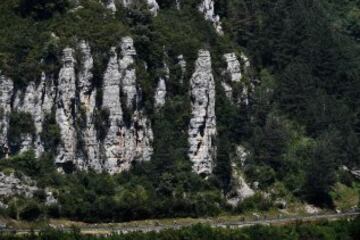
[30, 212]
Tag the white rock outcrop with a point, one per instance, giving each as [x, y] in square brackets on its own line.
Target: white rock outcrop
[240, 189]
[66, 109]
[160, 92]
[152, 5]
[6, 92]
[202, 129]
[234, 74]
[207, 7]
[110, 4]
[182, 63]
[90, 156]
[129, 139]
[10, 185]
[128, 76]
[37, 100]
[112, 103]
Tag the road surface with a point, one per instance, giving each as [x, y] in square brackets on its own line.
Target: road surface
[96, 230]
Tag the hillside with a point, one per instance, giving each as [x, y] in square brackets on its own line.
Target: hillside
[124, 110]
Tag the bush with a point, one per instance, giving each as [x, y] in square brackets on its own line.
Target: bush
[30, 212]
[21, 125]
[42, 9]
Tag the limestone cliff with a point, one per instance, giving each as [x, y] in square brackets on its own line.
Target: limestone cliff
[152, 5]
[202, 129]
[66, 109]
[89, 157]
[127, 140]
[6, 92]
[237, 72]
[160, 92]
[207, 7]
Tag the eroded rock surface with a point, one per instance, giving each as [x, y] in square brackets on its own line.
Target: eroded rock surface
[240, 189]
[129, 138]
[234, 74]
[89, 157]
[152, 5]
[202, 129]
[207, 7]
[66, 109]
[160, 92]
[6, 92]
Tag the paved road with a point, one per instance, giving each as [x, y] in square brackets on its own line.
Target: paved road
[230, 224]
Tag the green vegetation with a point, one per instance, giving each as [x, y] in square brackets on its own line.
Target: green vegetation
[300, 127]
[21, 126]
[319, 231]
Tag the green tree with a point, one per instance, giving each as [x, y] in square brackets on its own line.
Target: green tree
[42, 9]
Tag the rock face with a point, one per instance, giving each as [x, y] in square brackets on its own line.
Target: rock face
[66, 109]
[11, 185]
[235, 73]
[110, 4]
[127, 139]
[240, 189]
[152, 5]
[128, 75]
[73, 100]
[38, 100]
[182, 64]
[207, 8]
[160, 92]
[89, 157]
[6, 92]
[202, 130]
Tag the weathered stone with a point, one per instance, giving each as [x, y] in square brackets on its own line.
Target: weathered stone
[202, 129]
[234, 74]
[112, 103]
[110, 4]
[66, 109]
[127, 72]
[129, 139]
[11, 185]
[90, 157]
[160, 92]
[6, 92]
[240, 190]
[182, 64]
[207, 7]
[152, 5]
[233, 67]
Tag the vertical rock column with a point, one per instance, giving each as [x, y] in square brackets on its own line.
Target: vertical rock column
[182, 64]
[202, 129]
[235, 73]
[87, 97]
[31, 103]
[6, 92]
[232, 72]
[37, 100]
[66, 109]
[160, 92]
[137, 136]
[207, 7]
[128, 73]
[125, 141]
[111, 102]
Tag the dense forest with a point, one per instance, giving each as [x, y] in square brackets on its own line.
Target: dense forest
[301, 127]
